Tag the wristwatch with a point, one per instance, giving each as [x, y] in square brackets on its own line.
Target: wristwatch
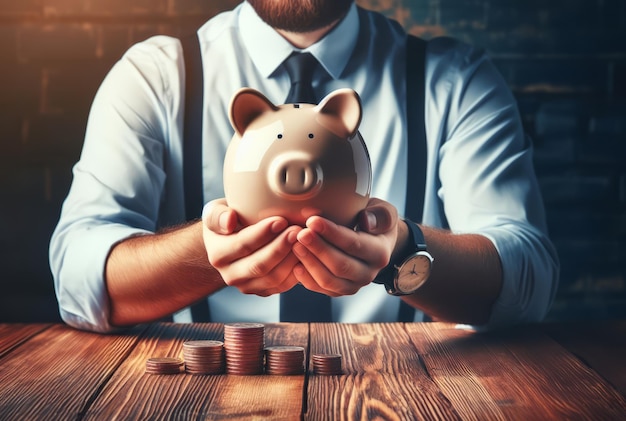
[411, 268]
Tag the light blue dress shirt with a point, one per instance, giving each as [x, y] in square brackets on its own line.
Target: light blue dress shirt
[480, 177]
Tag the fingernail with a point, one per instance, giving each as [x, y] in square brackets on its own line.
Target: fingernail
[223, 221]
[305, 237]
[371, 220]
[278, 226]
[292, 237]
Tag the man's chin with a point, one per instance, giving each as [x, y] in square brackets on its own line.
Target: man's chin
[302, 16]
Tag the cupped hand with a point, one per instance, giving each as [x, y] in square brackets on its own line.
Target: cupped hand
[256, 259]
[337, 260]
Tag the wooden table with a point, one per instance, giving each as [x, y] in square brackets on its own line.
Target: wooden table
[391, 371]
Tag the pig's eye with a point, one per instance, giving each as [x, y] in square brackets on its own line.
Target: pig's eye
[311, 135]
[280, 135]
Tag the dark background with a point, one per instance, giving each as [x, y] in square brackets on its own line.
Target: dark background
[564, 60]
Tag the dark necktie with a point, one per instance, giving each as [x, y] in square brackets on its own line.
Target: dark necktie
[300, 67]
[299, 304]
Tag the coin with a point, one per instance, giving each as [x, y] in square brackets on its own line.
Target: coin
[163, 365]
[243, 348]
[202, 344]
[327, 364]
[284, 360]
[243, 325]
[204, 357]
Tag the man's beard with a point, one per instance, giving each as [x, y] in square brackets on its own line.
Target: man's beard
[300, 15]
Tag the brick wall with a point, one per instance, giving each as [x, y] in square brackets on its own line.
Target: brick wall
[565, 61]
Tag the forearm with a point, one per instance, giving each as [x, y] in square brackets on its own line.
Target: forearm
[149, 277]
[466, 277]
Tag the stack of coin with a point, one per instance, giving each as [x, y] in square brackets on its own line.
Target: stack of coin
[204, 357]
[244, 344]
[284, 360]
[165, 365]
[327, 364]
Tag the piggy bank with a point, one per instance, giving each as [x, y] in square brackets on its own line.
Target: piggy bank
[297, 160]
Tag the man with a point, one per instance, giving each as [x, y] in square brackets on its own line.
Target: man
[483, 218]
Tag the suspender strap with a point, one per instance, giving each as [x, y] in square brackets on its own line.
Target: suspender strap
[192, 146]
[416, 138]
[416, 127]
[192, 129]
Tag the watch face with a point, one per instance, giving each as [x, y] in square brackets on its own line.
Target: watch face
[413, 273]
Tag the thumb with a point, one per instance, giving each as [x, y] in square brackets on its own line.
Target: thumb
[378, 217]
[218, 217]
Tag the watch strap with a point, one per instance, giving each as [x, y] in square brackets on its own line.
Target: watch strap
[416, 237]
[415, 243]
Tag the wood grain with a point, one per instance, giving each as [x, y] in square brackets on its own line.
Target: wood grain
[391, 371]
[383, 376]
[16, 333]
[54, 374]
[185, 396]
[265, 397]
[600, 345]
[520, 374]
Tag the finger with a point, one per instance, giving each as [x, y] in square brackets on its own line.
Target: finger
[378, 217]
[316, 276]
[269, 286]
[219, 218]
[303, 277]
[338, 263]
[373, 250]
[263, 263]
[247, 241]
[276, 280]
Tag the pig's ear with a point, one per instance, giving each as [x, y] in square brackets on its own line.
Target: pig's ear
[246, 105]
[344, 106]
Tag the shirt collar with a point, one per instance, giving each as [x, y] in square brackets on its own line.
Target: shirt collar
[332, 51]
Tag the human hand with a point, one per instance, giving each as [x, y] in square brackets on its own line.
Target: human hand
[337, 260]
[256, 259]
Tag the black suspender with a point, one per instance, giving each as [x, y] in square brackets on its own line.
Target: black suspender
[192, 129]
[416, 139]
[192, 142]
[192, 146]
[416, 127]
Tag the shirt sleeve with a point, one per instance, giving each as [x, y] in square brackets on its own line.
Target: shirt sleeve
[486, 179]
[117, 184]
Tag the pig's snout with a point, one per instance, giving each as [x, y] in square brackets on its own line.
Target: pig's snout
[295, 176]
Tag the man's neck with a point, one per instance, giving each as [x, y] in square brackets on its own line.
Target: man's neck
[306, 39]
